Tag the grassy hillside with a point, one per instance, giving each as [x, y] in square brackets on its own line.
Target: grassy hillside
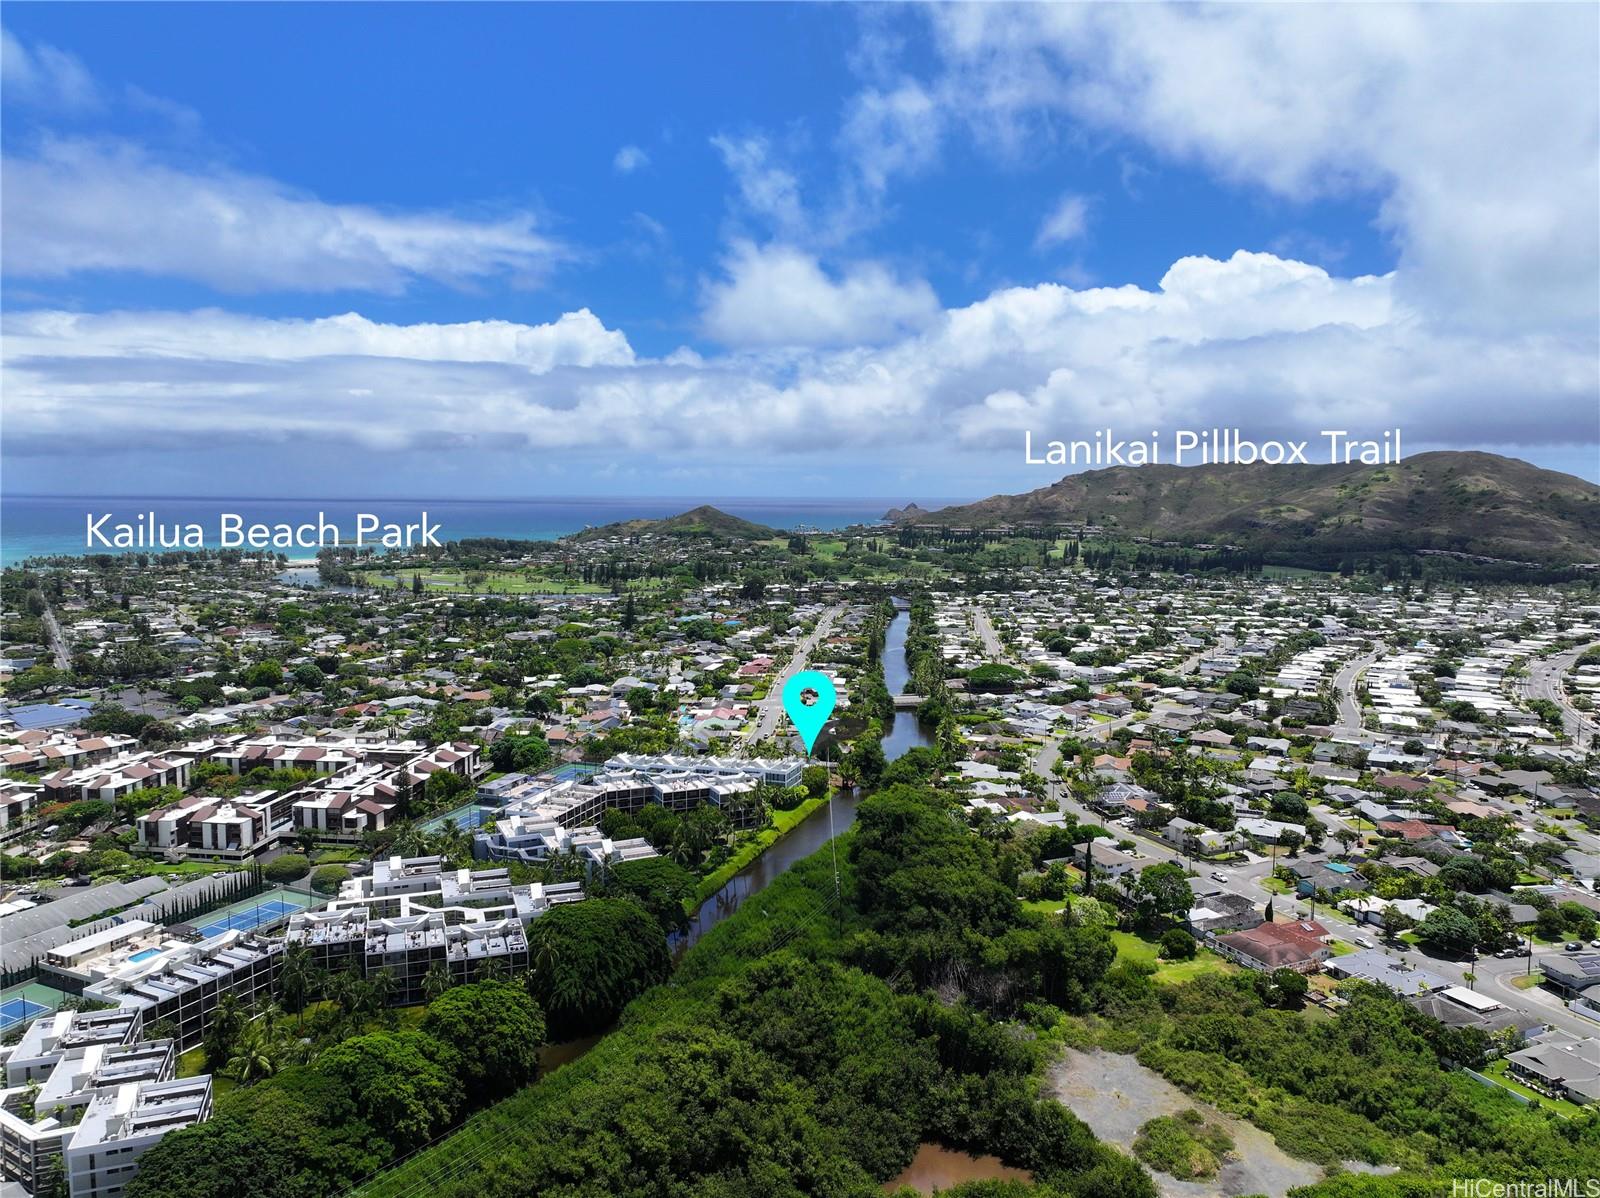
[703, 521]
[1478, 503]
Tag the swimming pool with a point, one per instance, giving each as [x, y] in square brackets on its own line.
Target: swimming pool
[144, 954]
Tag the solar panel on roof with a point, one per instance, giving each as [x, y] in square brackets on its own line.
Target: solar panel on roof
[43, 715]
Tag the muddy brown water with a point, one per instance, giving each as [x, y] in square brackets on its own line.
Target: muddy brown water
[938, 1168]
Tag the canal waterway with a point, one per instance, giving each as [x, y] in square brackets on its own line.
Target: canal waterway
[904, 733]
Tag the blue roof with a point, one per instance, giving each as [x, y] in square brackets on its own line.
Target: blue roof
[47, 715]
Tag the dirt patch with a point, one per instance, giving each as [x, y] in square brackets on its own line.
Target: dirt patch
[1115, 1095]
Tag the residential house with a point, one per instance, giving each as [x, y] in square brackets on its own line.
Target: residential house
[1301, 946]
[1560, 1065]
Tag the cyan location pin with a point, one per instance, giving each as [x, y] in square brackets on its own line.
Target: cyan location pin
[808, 698]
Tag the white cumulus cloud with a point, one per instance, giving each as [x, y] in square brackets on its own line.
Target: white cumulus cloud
[1276, 346]
[80, 205]
[776, 295]
[1473, 126]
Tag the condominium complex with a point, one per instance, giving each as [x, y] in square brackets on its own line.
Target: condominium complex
[544, 818]
[86, 1095]
[179, 979]
[116, 777]
[361, 784]
[218, 829]
[414, 914]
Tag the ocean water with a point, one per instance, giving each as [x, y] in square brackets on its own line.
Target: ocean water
[34, 525]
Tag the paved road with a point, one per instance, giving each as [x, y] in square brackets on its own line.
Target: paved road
[987, 634]
[1346, 681]
[1544, 682]
[58, 643]
[770, 710]
[1192, 663]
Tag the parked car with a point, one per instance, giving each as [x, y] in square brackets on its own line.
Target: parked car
[1363, 942]
[1594, 944]
[1575, 946]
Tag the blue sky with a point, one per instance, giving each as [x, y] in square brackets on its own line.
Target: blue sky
[521, 250]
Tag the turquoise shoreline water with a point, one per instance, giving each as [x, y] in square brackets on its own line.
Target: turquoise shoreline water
[36, 526]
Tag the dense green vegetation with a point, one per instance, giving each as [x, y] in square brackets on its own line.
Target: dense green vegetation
[591, 959]
[1184, 1145]
[318, 1128]
[1370, 1085]
[780, 1062]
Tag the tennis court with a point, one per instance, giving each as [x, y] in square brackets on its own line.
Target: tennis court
[18, 1010]
[247, 919]
[466, 818]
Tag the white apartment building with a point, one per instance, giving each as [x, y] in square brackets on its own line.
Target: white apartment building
[121, 1125]
[413, 913]
[218, 829]
[18, 801]
[183, 980]
[85, 1095]
[110, 780]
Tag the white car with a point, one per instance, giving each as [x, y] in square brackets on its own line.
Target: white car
[1363, 942]
[1218, 876]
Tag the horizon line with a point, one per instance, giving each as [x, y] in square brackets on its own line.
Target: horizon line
[701, 499]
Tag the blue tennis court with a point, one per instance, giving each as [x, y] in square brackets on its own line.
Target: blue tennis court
[466, 818]
[18, 1010]
[248, 920]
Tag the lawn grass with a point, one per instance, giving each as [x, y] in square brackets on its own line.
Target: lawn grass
[193, 1064]
[499, 582]
[1498, 1071]
[337, 857]
[1527, 981]
[1045, 906]
[783, 822]
[1132, 948]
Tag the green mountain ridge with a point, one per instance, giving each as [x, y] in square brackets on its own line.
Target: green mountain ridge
[1465, 502]
[703, 521]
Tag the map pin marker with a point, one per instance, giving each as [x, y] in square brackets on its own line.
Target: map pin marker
[808, 698]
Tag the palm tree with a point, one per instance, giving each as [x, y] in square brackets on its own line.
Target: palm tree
[256, 1054]
[683, 851]
[347, 990]
[379, 989]
[227, 1020]
[541, 954]
[435, 982]
[492, 970]
[409, 842]
[294, 978]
